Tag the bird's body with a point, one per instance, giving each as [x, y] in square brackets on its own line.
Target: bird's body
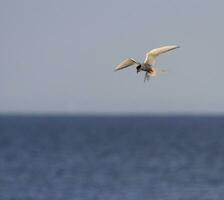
[149, 70]
[149, 62]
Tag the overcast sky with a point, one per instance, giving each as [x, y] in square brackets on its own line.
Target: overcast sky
[59, 56]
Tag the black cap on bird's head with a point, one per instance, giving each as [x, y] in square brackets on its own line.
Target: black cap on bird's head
[138, 68]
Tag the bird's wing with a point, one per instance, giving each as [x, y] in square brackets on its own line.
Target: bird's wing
[126, 63]
[151, 55]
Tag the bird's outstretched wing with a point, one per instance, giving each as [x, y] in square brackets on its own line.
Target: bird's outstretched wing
[126, 63]
[151, 55]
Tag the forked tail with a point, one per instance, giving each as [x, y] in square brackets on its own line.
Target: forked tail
[154, 72]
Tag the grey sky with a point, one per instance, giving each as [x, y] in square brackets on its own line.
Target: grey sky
[59, 56]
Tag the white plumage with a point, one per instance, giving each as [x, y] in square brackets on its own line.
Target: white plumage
[150, 60]
[126, 63]
[151, 55]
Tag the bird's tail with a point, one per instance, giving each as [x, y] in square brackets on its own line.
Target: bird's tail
[154, 72]
[157, 71]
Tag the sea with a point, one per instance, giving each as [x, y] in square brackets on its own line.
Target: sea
[111, 157]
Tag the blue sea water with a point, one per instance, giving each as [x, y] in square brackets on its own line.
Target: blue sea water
[111, 158]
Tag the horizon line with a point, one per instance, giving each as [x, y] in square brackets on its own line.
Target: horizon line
[147, 114]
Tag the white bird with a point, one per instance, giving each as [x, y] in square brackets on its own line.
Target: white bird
[149, 62]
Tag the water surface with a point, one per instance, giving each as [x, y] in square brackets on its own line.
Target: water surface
[111, 158]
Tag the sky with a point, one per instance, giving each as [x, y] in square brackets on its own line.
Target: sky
[59, 56]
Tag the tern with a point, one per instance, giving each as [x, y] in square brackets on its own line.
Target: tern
[148, 64]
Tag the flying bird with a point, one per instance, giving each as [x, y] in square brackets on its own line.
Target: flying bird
[148, 64]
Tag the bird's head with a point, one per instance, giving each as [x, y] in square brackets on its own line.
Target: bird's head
[138, 68]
